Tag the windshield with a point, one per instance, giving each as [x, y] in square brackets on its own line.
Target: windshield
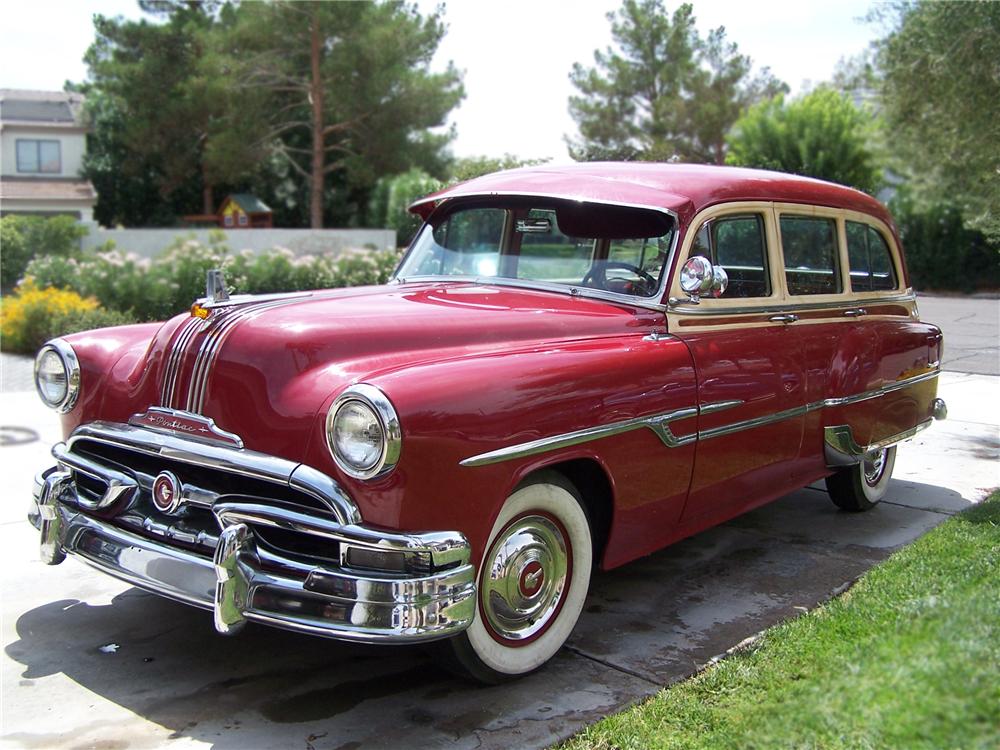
[607, 248]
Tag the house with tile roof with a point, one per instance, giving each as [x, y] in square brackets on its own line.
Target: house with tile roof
[43, 139]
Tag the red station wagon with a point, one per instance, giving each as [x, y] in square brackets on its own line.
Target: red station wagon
[573, 366]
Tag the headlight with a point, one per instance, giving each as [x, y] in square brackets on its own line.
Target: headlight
[57, 375]
[363, 433]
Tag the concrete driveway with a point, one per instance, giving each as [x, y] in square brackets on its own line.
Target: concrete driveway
[90, 662]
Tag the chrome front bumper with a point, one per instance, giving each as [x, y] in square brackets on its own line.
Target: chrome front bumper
[326, 600]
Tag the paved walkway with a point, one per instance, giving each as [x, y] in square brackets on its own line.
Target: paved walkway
[17, 373]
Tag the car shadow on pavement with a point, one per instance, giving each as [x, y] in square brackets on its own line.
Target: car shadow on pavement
[647, 624]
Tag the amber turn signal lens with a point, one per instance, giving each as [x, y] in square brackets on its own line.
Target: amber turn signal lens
[197, 311]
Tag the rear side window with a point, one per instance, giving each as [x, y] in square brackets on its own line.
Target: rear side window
[737, 244]
[871, 261]
[810, 249]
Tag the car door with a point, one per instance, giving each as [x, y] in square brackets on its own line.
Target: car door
[749, 365]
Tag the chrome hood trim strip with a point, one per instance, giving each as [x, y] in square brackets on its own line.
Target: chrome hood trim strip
[220, 324]
[171, 371]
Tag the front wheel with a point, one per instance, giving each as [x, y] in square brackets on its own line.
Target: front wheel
[533, 581]
[862, 486]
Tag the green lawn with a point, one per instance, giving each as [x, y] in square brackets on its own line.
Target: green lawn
[907, 658]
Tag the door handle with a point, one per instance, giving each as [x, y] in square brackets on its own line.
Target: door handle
[789, 318]
[855, 313]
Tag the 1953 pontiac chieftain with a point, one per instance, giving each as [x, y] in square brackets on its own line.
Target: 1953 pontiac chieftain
[573, 366]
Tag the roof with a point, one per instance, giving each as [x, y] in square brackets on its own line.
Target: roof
[59, 109]
[683, 188]
[248, 203]
[43, 190]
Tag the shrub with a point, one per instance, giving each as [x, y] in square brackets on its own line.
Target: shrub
[25, 237]
[157, 289]
[941, 251]
[32, 316]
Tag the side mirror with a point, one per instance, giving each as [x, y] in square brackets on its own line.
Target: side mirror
[699, 277]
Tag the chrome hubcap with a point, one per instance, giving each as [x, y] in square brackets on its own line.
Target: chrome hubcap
[525, 578]
[875, 466]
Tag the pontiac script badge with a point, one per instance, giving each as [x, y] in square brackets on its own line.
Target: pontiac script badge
[186, 424]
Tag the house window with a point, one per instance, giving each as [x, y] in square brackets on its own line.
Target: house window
[243, 220]
[227, 220]
[38, 157]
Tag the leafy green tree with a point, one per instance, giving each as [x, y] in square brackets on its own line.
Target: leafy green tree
[165, 102]
[340, 88]
[393, 196]
[469, 167]
[128, 183]
[821, 134]
[939, 84]
[662, 92]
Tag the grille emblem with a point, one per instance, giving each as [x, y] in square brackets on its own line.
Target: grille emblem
[166, 492]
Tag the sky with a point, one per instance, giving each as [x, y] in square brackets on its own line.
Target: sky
[516, 54]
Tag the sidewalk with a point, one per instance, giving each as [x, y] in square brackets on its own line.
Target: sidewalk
[17, 373]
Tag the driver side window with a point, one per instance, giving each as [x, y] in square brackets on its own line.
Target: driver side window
[738, 244]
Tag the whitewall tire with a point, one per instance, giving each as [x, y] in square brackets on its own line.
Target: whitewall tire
[860, 487]
[532, 582]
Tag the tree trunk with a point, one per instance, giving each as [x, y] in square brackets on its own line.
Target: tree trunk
[207, 197]
[316, 97]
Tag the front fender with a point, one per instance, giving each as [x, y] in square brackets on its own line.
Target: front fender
[461, 407]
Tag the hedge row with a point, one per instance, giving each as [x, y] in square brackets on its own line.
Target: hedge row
[110, 287]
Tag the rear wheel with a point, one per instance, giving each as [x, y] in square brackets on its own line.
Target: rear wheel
[532, 583]
[862, 486]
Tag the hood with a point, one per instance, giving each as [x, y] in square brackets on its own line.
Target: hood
[269, 365]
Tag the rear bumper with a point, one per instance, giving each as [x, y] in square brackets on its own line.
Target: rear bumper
[841, 449]
[243, 583]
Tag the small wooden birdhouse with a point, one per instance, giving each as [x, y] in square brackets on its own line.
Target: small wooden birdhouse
[244, 211]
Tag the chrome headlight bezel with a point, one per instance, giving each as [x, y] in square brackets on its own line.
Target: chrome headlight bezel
[378, 403]
[71, 366]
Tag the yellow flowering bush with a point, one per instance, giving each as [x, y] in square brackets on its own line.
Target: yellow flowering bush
[32, 316]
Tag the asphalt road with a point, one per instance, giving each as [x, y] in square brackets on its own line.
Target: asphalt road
[90, 662]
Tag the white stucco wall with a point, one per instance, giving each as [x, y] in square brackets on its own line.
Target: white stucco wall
[147, 243]
[72, 148]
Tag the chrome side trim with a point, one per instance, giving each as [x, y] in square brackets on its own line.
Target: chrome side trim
[719, 406]
[778, 307]
[889, 388]
[243, 462]
[841, 449]
[748, 424]
[658, 423]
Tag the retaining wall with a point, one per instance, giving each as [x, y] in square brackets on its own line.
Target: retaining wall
[147, 243]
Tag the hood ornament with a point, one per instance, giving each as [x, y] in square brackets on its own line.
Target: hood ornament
[215, 286]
